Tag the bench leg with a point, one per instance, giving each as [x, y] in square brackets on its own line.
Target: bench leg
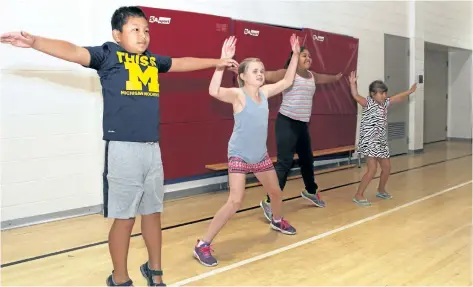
[226, 185]
[359, 160]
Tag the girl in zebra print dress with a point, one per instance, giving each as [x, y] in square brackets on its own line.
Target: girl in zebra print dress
[373, 140]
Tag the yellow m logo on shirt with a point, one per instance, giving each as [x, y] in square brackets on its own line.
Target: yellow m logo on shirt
[138, 78]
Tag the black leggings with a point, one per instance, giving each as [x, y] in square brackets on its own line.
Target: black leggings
[292, 137]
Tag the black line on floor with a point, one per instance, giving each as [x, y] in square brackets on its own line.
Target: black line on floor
[207, 218]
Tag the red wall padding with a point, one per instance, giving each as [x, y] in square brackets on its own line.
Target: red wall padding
[195, 128]
[188, 147]
[334, 119]
[329, 131]
[185, 96]
[332, 54]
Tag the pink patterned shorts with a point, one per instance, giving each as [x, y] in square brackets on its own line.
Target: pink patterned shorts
[238, 165]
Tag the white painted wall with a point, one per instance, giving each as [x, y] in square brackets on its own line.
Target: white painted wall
[51, 147]
[459, 101]
[441, 22]
[448, 23]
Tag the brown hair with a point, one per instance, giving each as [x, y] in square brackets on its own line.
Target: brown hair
[377, 86]
[244, 67]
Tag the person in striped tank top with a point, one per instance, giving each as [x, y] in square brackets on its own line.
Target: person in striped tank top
[292, 126]
[247, 151]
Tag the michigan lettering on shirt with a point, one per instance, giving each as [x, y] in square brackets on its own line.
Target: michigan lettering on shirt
[137, 77]
[131, 90]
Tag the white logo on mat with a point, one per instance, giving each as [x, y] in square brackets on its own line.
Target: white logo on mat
[251, 32]
[160, 20]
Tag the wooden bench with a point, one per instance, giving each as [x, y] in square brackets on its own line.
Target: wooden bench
[317, 153]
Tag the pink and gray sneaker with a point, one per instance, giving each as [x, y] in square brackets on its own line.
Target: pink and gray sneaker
[203, 253]
[283, 226]
[314, 198]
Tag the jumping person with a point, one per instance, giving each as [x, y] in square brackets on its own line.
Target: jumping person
[133, 174]
[292, 126]
[247, 150]
[373, 139]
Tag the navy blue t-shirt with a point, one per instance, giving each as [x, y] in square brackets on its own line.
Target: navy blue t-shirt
[130, 88]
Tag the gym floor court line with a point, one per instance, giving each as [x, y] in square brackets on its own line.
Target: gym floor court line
[199, 220]
[204, 206]
[314, 238]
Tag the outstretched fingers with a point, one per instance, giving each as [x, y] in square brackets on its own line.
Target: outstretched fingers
[295, 43]
[353, 77]
[19, 39]
[228, 48]
[7, 37]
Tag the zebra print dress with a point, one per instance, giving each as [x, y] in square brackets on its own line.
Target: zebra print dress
[373, 141]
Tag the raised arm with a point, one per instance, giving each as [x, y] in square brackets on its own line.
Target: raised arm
[401, 96]
[227, 95]
[269, 76]
[189, 64]
[57, 48]
[276, 88]
[274, 76]
[326, 79]
[354, 90]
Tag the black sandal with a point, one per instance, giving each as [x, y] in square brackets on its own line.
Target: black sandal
[148, 274]
[110, 282]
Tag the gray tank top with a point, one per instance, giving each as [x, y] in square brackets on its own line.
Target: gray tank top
[250, 131]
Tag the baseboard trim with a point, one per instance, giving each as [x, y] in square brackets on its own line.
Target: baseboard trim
[49, 217]
[453, 139]
[416, 151]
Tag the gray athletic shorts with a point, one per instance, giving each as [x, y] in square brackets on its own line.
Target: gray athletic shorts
[133, 179]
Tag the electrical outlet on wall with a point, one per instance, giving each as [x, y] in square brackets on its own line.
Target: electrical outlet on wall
[420, 79]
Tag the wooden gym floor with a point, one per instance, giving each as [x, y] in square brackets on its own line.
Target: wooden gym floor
[420, 237]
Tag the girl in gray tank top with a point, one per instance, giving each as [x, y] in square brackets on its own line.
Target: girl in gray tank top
[250, 131]
[247, 151]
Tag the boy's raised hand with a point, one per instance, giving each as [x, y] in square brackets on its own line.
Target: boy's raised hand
[18, 39]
